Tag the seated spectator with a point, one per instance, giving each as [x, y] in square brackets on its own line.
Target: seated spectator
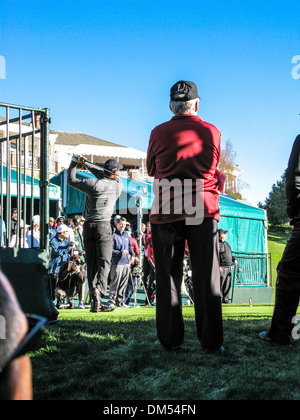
[60, 253]
[71, 278]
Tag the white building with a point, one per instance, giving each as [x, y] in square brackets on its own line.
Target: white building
[65, 144]
[62, 145]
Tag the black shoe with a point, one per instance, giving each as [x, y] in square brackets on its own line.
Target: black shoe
[217, 351]
[265, 337]
[169, 349]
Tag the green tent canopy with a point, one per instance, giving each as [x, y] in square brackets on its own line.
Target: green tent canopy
[54, 191]
[73, 200]
[246, 224]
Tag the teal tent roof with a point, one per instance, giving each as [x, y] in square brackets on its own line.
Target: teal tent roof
[235, 208]
[73, 200]
[229, 206]
[54, 190]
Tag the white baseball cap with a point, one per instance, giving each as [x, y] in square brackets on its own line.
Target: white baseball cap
[36, 220]
[63, 228]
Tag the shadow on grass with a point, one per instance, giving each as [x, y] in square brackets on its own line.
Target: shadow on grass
[109, 360]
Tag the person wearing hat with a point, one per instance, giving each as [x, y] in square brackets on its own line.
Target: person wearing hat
[101, 194]
[227, 260]
[60, 220]
[60, 253]
[33, 235]
[115, 222]
[186, 148]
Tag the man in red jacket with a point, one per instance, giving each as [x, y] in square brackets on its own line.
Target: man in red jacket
[183, 155]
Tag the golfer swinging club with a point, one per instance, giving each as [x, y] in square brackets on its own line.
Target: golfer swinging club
[101, 196]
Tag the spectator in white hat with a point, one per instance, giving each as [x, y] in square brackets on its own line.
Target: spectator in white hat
[33, 236]
[60, 253]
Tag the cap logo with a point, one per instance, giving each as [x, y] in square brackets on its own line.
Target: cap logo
[179, 95]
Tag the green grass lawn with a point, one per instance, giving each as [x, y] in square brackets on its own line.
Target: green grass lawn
[113, 356]
[277, 238]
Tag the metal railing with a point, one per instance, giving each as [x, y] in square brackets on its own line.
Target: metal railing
[253, 269]
[24, 137]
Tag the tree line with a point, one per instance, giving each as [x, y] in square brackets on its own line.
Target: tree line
[275, 203]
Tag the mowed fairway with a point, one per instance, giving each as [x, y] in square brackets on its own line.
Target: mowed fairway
[113, 356]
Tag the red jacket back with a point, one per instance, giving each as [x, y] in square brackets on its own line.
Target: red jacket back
[186, 148]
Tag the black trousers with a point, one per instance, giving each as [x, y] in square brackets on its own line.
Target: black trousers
[226, 283]
[150, 287]
[287, 289]
[146, 271]
[98, 244]
[53, 283]
[169, 247]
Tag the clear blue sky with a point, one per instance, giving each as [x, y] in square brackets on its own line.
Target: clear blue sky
[105, 69]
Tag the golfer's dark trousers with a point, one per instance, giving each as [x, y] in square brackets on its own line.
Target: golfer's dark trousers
[98, 245]
[169, 247]
[287, 289]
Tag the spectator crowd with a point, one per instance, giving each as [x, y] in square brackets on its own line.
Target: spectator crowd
[68, 273]
[132, 260]
[68, 263]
